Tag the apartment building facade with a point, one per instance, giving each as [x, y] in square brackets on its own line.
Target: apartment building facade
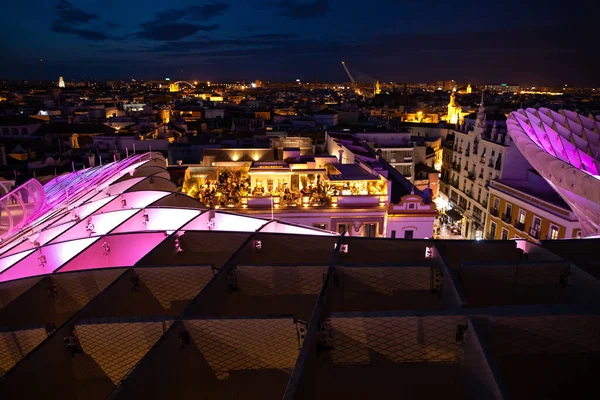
[481, 152]
[517, 210]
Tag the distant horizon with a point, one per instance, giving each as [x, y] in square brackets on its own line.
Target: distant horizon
[289, 81]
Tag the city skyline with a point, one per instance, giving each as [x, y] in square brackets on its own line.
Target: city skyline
[390, 40]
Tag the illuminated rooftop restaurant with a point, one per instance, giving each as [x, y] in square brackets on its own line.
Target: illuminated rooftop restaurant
[316, 183]
[113, 285]
[564, 147]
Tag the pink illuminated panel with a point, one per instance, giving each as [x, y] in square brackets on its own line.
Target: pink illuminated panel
[42, 238]
[276, 226]
[86, 209]
[8, 261]
[116, 251]
[223, 221]
[157, 219]
[122, 187]
[96, 225]
[133, 200]
[232, 222]
[47, 260]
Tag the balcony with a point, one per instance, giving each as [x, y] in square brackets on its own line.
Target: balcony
[471, 176]
[468, 153]
[459, 150]
[482, 160]
[507, 218]
[456, 167]
[448, 145]
[534, 233]
[466, 167]
[519, 225]
[477, 217]
[494, 212]
[487, 182]
[481, 176]
[455, 184]
[491, 164]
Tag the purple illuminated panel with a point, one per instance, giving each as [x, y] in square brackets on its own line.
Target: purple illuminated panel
[45, 260]
[157, 219]
[7, 262]
[96, 225]
[116, 251]
[275, 226]
[41, 238]
[564, 148]
[133, 200]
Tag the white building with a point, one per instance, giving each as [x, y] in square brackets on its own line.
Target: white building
[478, 158]
[328, 118]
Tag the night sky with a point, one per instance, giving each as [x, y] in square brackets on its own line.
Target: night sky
[549, 41]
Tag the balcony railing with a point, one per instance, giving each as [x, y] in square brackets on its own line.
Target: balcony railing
[491, 164]
[482, 160]
[456, 167]
[507, 218]
[459, 150]
[519, 225]
[494, 212]
[308, 201]
[471, 176]
[481, 176]
[467, 153]
[534, 233]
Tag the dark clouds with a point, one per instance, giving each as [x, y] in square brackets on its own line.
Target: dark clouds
[172, 31]
[269, 39]
[205, 43]
[74, 21]
[300, 9]
[179, 23]
[68, 13]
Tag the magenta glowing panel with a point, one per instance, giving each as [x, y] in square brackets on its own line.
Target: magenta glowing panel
[564, 147]
[236, 223]
[579, 140]
[158, 219]
[96, 225]
[9, 261]
[116, 251]
[40, 238]
[276, 226]
[46, 259]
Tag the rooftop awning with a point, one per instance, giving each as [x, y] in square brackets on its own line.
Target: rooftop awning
[454, 215]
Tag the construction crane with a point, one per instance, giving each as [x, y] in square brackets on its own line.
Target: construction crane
[355, 85]
[348, 72]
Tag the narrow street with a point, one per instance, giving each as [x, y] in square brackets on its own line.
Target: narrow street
[445, 233]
